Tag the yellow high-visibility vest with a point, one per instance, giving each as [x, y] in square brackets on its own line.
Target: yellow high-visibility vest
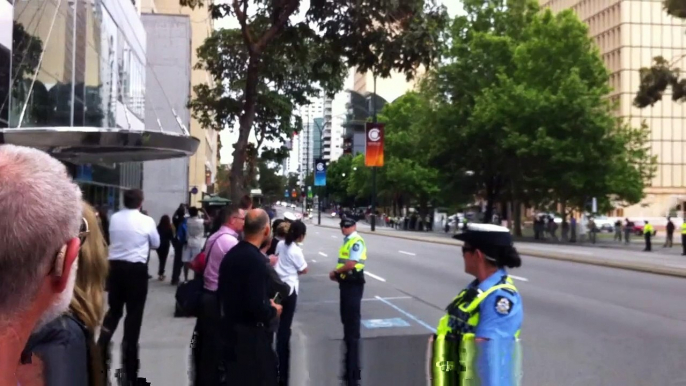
[648, 229]
[344, 253]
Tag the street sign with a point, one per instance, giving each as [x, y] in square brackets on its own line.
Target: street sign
[285, 194]
[320, 173]
[194, 190]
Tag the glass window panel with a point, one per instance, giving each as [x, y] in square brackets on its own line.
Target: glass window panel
[667, 171]
[678, 128]
[678, 172]
[45, 90]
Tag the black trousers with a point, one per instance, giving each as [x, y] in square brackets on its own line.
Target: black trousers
[248, 356]
[351, 304]
[208, 353]
[178, 263]
[162, 254]
[283, 337]
[683, 244]
[128, 287]
[649, 245]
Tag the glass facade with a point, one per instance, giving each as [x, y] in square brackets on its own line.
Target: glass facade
[70, 65]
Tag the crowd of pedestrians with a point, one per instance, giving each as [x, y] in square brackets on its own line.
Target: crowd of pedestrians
[62, 260]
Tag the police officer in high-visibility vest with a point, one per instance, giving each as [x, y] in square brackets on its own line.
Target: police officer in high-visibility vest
[349, 274]
[476, 341]
[648, 231]
[683, 237]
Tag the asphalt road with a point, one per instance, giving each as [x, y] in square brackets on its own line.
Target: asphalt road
[584, 325]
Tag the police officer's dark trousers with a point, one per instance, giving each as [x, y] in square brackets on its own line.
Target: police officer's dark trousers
[649, 245]
[351, 304]
[128, 286]
[683, 244]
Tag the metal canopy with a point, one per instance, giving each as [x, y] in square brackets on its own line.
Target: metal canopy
[82, 145]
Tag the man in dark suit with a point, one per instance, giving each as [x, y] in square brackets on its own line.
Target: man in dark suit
[246, 308]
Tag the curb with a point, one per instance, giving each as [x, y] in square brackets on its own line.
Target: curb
[637, 267]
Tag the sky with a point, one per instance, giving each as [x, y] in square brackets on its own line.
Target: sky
[229, 137]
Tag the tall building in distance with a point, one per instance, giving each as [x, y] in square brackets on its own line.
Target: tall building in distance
[203, 165]
[315, 139]
[629, 34]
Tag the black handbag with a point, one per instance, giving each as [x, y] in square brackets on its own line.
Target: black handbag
[188, 294]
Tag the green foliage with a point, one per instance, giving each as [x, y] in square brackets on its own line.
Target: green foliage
[269, 66]
[338, 174]
[271, 182]
[535, 124]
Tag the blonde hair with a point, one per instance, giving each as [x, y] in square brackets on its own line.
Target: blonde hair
[282, 229]
[87, 304]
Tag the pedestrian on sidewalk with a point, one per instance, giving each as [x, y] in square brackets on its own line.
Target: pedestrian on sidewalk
[195, 230]
[618, 231]
[177, 221]
[648, 234]
[247, 310]
[207, 353]
[670, 233]
[290, 265]
[132, 236]
[166, 232]
[39, 228]
[349, 274]
[573, 228]
[628, 229]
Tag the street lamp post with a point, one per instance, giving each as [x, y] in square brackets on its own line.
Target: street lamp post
[374, 168]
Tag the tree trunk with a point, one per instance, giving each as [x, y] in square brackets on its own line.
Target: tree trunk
[518, 218]
[492, 193]
[246, 121]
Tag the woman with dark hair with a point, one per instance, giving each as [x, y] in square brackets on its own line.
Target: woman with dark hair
[290, 265]
[177, 221]
[482, 323]
[166, 231]
[279, 229]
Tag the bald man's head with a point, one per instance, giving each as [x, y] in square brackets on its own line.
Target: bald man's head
[256, 223]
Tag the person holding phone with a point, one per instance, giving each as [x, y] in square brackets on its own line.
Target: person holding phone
[290, 265]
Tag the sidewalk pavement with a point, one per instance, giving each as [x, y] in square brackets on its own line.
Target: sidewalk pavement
[663, 261]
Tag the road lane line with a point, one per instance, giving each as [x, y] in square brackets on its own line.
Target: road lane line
[407, 314]
[364, 300]
[408, 253]
[314, 261]
[379, 278]
[323, 254]
[518, 277]
[335, 237]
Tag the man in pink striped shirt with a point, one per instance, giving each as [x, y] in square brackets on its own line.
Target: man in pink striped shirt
[207, 354]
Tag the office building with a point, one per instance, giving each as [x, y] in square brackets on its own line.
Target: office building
[203, 164]
[73, 82]
[315, 138]
[629, 34]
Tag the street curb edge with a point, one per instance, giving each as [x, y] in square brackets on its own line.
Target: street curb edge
[665, 271]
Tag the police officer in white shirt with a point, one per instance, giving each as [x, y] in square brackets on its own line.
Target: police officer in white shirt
[132, 235]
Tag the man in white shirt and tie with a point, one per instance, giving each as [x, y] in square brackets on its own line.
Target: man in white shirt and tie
[132, 235]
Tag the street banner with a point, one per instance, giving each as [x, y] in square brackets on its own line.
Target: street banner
[309, 192]
[319, 172]
[373, 150]
[285, 194]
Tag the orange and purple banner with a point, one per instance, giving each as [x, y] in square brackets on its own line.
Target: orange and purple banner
[374, 144]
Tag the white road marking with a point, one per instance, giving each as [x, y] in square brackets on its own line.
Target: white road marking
[408, 253]
[379, 278]
[409, 315]
[335, 237]
[314, 261]
[323, 254]
[518, 277]
[376, 299]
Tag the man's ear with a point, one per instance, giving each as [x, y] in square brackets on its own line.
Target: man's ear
[63, 264]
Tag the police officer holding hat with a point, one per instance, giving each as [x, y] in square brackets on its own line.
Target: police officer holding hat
[349, 274]
[487, 314]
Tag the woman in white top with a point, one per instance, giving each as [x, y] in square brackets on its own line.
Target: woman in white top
[196, 231]
[290, 265]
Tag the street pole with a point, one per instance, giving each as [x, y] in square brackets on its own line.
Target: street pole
[374, 168]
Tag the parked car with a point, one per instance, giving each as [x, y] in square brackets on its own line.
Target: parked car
[638, 227]
[604, 223]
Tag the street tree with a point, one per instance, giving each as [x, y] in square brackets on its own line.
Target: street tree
[270, 182]
[338, 175]
[554, 125]
[482, 45]
[270, 65]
